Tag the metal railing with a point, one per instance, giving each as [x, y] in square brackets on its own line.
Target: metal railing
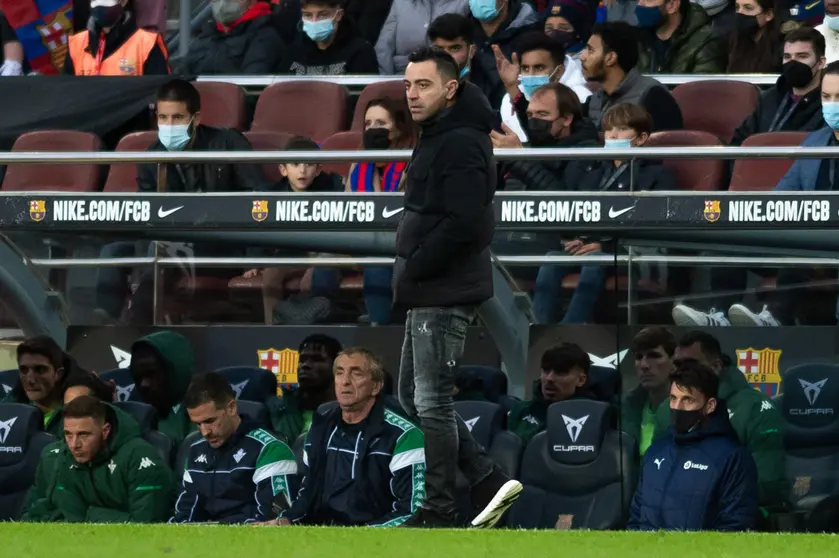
[358, 81]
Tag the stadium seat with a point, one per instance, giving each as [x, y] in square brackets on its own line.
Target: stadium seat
[692, 174]
[269, 141]
[338, 142]
[21, 429]
[123, 177]
[604, 383]
[124, 383]
[319, 109]
[810, 409]
[716, 106]
[146, 415]
[492, 382]
[151, 15]
[764, 174]
[250, 383]
[222, 105]
[69, 178]
[8, 380]
[580, 473]
[255, 412]
[487, 422]
[394, 89]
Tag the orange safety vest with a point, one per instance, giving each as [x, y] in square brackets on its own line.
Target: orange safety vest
[127, 60]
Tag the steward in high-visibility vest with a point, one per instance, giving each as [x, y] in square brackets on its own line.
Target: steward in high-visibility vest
[115, 46]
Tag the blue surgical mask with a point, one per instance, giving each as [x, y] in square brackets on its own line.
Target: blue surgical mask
[464, 72]
[529, 84]
[319, 30]
[832, 22]
[483, 10]
[617, 143]
[174, 137]
[648, 16]
[830, 112]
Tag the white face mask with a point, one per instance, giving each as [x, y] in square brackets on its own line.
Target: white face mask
[832, 22]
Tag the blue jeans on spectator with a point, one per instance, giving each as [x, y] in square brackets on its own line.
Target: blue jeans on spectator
[548, 291]
[378, 294]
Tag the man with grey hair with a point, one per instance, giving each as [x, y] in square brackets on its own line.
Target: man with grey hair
[364, 464]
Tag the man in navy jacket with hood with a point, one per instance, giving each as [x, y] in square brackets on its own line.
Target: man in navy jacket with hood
[697, 476]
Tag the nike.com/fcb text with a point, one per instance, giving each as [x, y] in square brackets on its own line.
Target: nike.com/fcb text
[778, 211]
[101, 210]
[550, 211]
[326, 211]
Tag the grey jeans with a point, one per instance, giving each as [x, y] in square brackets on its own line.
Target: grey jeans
[431, 352]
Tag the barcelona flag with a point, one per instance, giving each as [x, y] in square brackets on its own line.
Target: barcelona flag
[43, 28]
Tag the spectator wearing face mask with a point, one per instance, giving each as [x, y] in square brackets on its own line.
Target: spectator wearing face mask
[329, 44]
[626, 126]
[676, 38]
[794, 103]
[114, 45]
[453, 33]
[830, 29]
[405, 30]
[756, 41]
[569, 22]
[540, 60]
[240, 40]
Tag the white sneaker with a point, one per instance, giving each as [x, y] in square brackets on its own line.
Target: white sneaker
[743, 317]
[684, 315]
[501, 502]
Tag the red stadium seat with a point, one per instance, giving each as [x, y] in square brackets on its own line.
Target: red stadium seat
[123, 178]
[392, 89]
[716, 106]
[691, 174]
[151, 14]
[222, 105]
[269, 141]
[303, 108]
[341, 141]
[72, 178]
[764, 174]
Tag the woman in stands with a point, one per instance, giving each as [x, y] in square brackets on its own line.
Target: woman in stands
[43, 369]
[756, 43]
[386, 126]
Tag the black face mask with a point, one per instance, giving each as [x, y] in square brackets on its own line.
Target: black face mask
[376, 138]
[107, 16]
[539, 132]
[683, 421]
[745, 24]
[565, 38]
[797, 74]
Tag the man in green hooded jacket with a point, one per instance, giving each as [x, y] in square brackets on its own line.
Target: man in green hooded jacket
[107, 473]
[162, 365]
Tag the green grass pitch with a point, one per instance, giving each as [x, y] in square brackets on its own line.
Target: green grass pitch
[206, 541]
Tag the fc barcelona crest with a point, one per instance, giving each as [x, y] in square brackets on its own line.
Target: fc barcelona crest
[712, 210]
[37, 210]
[259, 211]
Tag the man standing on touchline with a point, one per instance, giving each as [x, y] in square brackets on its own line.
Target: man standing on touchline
[443, 272]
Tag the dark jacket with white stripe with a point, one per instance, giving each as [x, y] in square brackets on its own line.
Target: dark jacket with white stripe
[250, 478]
[372, 473]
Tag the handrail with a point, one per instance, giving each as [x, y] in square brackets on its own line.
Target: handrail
[525, 154]
[333, 261]
[364, 80]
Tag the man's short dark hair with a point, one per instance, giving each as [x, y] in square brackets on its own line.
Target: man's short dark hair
[622, 39]
[831, 69]
[180, 91]
[331, 345]
[537, 40]
[100, 389]
[653, 337]
[567, 101]
[807, 35]
[442, 59]
[563, 358]
[210, 387]
[301, 143]
[708, 344]
[330, 3]
[86, 406]
[451, 27]
[45, 346]
[693, 375]
[628, 115]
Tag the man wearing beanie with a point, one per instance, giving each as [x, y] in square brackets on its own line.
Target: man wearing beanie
[569, 22]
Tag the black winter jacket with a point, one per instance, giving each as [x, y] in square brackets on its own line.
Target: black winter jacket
[348, 54]
[773, 113]
[647, 174]
[206, 177]
[250, 48]
[442, 243]
[251, 477]
[371, 474]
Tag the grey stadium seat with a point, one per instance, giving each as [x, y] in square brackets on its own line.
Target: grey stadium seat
[124, 382]
[22, 440]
